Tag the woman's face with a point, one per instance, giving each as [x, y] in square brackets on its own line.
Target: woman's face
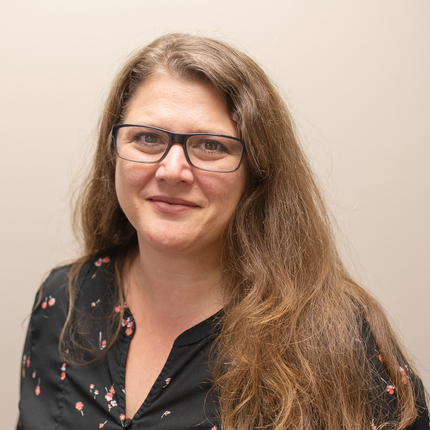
[173, 206]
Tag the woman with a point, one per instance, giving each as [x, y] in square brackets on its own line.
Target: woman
[210, 294]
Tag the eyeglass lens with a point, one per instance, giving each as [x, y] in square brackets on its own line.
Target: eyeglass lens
[209, 152]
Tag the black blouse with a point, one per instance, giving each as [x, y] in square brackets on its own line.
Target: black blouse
[61, 396]
[57, 395]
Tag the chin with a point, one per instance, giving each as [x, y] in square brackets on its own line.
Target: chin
[161, 240]
[182, 243]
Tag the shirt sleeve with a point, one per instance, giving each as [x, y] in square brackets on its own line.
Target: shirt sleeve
[388, 389]
[423, 419]
[41, 345]
[25, 363]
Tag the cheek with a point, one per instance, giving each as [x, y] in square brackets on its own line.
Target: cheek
[224, 193]
[129, 180]
[129, 174]
[121, 183]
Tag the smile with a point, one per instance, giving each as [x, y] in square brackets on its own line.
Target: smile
[171, 205]
[172, 201]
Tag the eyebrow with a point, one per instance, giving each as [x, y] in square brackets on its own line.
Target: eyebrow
[197, 131]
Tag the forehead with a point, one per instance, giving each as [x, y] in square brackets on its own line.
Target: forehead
[180, 105]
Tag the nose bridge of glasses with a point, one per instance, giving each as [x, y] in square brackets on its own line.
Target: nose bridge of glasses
[178, 138]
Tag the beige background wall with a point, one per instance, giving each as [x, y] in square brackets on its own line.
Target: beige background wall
[357, 76]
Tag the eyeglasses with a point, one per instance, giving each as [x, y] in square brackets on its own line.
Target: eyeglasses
[204, 151]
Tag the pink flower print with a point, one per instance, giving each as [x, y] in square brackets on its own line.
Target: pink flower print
[79, 406]
[129, 323]
[214, 428]
[100, 261]
[102, 343]
[94, 304]
[33, 374]
[37, 390]
[167, 381]
[122, 417]
[165, 414]
[373, 425]
[94, 275]
[51, 301]
[63, 372]
[45, 303]
[118, 309]
[28, 361]
[390, 389]
[91, 388]
[96, 393]
[404, 377]
[379, 356]
[109, 397]
[112, 404]
[101, 425]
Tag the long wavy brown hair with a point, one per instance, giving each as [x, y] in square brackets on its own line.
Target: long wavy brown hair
[293, 316]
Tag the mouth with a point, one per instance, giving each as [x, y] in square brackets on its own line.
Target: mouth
[172, 201]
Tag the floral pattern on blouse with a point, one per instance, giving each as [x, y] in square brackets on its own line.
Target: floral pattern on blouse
[55, 394]
[93, 395]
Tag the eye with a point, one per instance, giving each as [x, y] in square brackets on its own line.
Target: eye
[147, 138]
[210, 146]
[142, 139]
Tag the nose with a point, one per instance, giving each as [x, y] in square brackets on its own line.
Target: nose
[174, 168]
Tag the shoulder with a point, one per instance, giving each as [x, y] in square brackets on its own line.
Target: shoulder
[91, 279]
[52, 298]
[74, 300]
[94, 284]
[391, 385]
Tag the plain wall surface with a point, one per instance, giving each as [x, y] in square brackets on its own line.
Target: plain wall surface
[356, 75]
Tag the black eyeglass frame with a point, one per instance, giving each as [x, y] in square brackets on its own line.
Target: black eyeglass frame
[174, 138]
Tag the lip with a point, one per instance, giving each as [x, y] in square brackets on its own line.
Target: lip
[171, 205]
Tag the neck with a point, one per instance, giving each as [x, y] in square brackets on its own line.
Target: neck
[173, 286]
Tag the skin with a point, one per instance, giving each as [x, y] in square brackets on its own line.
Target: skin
[180, 214]
[184, 107]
